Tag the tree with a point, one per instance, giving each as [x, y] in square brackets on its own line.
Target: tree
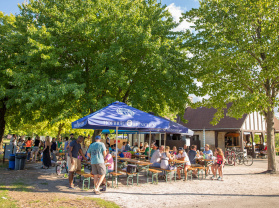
[235, 56]
[92, 53]
[16, 80]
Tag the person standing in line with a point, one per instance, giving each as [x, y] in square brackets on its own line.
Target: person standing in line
[97, 153]
[107, 140]
[35, 149]
[29, 144]
[54, 145]
[59, 144]
[74, 149]
[46, 154]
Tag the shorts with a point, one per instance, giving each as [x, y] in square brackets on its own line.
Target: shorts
[28, 148]
[98, 169]
[35, 149]
[72, 167]
[219, 164]
[195, 165]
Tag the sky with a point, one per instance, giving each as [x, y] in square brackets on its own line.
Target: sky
[10, 6]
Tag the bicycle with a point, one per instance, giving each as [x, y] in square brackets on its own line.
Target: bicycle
[243, 159]
[60, 165]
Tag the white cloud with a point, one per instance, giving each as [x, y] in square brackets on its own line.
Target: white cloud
[176, 12]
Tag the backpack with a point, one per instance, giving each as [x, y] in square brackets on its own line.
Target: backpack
[131, 168]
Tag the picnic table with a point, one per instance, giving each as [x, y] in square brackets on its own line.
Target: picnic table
[206, 161]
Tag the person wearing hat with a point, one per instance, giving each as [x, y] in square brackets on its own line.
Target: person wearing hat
[184, 157]
[207, 152]
[97, 153]
[72, 159]
[154, 148]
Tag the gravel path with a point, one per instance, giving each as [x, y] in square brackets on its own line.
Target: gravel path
[242, 187]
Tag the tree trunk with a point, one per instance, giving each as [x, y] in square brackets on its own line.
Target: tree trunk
[270, 141]
[96, 133]
[3, 110]
[60, 128]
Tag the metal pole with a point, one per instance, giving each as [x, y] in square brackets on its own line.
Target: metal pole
[149, 143]
[165, 138]
[116, 152]
[160, 142]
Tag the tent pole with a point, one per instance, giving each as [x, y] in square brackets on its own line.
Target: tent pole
[160, 142]
[116, 152]
[149, 143]
[165, 138]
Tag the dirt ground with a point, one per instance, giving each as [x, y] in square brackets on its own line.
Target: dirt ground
[242, 187]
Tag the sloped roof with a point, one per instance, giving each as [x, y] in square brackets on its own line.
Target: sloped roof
[200, 118]
[276, 124]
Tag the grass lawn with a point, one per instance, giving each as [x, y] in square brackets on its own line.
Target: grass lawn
[6, 201]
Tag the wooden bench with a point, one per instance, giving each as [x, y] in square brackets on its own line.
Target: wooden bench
[166, 172]
[86, 178]
[113, 176]
[202, 169]
[154, 174]
[130, 176]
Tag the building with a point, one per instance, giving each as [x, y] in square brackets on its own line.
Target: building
[229, 132]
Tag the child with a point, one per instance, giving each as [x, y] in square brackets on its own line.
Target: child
[214, 165]
[220, 163]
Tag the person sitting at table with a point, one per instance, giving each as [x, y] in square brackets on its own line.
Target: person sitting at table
[184, 157]
[135, 147]
[146, 149]
[127, 146]
[192, 157]
[109, 159]
[156, 157]
[208, 153]
[166, 156]
[123, 147]
[141, 146]
[154, 148]
[186, 148]
[174, 150]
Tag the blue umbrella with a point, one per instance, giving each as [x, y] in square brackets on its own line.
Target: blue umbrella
[120, 116]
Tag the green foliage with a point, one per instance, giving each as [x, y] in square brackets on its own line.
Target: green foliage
[234, 49]
[235, 57]
[91, 53]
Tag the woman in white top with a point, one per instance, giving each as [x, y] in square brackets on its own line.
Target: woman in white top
[184, 157]
[166, 156]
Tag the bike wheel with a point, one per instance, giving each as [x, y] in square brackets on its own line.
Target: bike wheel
[58, 169]
[239, 160]
[230, 161]
[248, 161]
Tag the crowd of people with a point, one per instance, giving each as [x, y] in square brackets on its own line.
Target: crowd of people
[100, 153]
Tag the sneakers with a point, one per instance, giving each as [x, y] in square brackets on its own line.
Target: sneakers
[213, 177]
[104, 188]
[219, 178]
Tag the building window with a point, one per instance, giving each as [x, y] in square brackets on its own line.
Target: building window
[196, 138]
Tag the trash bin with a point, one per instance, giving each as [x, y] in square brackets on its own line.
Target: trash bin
[12, 161]
[20, 161]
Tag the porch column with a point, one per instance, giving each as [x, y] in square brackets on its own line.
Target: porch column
[216, 139]
[253, 146]
[241, 141]
[263, 135]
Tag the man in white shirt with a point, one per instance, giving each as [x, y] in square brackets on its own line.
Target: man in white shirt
[156, 157]
[184, 157]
